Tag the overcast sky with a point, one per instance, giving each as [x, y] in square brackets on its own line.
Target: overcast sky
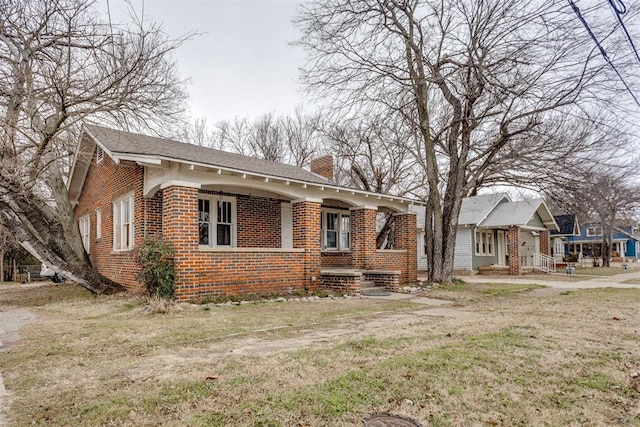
[242, 63]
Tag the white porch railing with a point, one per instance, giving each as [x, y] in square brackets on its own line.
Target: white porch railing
[544, 263]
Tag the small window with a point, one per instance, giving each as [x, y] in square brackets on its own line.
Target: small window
[123, 224]
[98, 224]
[484, 243]
[217, 221]
[99, 154]
[594, 231]
[424, 244]
[84, 224]
[336, 230]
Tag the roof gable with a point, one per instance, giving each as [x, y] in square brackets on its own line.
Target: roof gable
[521, 214]
[567, 224]
[475, 209]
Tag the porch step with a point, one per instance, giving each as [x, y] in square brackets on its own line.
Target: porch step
[369, 289]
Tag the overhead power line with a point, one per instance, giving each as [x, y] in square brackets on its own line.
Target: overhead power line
[601, 49]
[619, 9]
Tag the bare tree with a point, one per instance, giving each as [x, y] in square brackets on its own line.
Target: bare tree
[198, 132]
[302, 135]
[609, 196]
[286, 139]
[61, 64]
[373, 153]
[473, 77]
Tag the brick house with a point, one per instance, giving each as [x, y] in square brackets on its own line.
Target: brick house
[238, 224]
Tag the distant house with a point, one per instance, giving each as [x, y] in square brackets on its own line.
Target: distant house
[497, 234]
[569, 228]
[588, 242]
[238, 224]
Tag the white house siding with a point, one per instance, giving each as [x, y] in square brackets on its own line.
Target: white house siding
[422, 259]
[464, 246]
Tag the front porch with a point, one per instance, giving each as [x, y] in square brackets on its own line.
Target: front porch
[229, 242]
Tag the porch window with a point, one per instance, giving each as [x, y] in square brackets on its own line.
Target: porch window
[484, 243]
[336, 230]
[123, 223]
[84, 224]
[217, 221]
[594, 231]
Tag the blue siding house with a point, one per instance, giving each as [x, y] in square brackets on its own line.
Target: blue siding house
[626, 242]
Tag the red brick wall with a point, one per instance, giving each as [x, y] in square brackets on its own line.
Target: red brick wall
[545, 243]
[336, 259]
[203, 273]
[258, 222]
[323, 166]
[363, 238]
[405, 238]
[105, 183]
[239, 273]
[306, 235]
[513, 240]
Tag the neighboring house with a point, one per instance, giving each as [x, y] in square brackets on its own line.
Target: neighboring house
[588, 242]
[238, 224]
[569, 228]
[495, 232]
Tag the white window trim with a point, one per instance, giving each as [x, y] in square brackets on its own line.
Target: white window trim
[478, 243]
[98, 224]
[84, 225]
[117, 224]
[339, 231]
[213, 205]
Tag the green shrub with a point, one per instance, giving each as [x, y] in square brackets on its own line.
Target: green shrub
[158, 271]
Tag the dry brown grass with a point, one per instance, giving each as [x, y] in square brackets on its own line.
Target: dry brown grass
[504, 355]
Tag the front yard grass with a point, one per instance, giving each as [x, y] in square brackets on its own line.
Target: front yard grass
[505, 356]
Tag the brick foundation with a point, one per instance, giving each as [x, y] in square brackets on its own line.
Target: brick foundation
[342, 283]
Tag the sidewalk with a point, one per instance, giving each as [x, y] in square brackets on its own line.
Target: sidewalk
[590, 282]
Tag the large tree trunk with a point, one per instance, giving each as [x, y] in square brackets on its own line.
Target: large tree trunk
[39, 230]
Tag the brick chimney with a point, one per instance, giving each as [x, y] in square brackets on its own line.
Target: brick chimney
[323, 166]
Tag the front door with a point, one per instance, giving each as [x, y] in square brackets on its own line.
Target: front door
[502, 259]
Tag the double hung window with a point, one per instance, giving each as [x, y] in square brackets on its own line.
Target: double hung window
[123, 223]
[336, 230]
[217, 221]
[484, 243]
[84, 224]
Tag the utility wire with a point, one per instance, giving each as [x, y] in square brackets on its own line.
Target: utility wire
[601, 49]
[619, 9]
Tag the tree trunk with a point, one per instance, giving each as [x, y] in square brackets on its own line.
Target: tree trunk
[1, 265]
[38, 229]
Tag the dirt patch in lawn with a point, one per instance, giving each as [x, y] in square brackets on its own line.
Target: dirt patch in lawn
[497, 355]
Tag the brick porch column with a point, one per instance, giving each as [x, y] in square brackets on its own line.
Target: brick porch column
[513, 240]
[180, 227]
[306, 235]
[363, 237]
[545, 243]
[405, 237]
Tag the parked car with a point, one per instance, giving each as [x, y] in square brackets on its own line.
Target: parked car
[47, 271]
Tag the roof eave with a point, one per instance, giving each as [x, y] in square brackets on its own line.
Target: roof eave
[147, 160]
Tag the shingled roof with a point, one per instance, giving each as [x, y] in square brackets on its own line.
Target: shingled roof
[567, 224]
[120, 143]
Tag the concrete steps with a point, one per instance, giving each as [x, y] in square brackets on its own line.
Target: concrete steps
[368, 288]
